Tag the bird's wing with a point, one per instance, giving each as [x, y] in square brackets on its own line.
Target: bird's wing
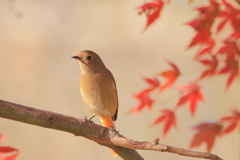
[115, 87]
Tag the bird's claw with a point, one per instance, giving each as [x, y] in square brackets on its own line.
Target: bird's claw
[115, 130]
[89, 120]
[111, 133]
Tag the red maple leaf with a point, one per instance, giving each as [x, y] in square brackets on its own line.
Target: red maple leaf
[231, 46]
[212, 63]
[202, 38]
[170, 75]
[167, 117]
[145, 101]
[153, 82]
[1, 138]
[206, 132]
[152, 11]
[193, 95]
[203, 23]
[206, 17]
[235, 36]
[12, 157]
[207, 48]
[224, 15]
[231, 67]
[231, 14]
[234, 120]
[7, 149]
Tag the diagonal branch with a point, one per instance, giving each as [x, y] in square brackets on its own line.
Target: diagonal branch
[124, 147]
[78, 127]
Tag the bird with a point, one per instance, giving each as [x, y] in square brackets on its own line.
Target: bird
[98, 89]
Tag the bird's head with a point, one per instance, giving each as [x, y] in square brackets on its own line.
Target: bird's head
[89, 61]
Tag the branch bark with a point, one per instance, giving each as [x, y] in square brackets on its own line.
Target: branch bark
[125, 148]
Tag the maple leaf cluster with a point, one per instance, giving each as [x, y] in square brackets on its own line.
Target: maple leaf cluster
[208, 131]
[6, 152]
[229, 51]
[152, 10]
[223, 60]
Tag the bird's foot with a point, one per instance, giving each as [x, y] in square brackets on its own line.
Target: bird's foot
[89, 120]
[112, 133]
[114, 129]
[115, 132]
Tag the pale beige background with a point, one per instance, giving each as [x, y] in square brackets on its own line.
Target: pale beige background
[37, 39]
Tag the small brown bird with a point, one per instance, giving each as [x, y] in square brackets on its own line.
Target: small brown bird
[98, 89]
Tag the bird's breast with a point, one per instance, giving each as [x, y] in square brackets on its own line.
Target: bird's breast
[99, 93]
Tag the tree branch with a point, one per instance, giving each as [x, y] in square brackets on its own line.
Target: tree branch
[124, 147]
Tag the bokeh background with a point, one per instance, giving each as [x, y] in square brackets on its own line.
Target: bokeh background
[38, 39]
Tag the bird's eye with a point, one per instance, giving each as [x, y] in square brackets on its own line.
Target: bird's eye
[89, 57]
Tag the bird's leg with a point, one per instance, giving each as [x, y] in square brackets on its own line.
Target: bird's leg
[90, 119]
[113, 132]
[114, 127]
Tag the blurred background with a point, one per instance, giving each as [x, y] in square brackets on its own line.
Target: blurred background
[38, 39]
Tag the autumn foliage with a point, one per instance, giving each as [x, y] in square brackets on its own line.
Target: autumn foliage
[6, 152]
[219, 57]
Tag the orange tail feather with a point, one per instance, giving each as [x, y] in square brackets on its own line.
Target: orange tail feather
[113, 153]
[108, 122]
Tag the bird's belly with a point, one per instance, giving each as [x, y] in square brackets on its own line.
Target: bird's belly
[99, 100]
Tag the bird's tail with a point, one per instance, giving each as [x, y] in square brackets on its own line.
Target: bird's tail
[107, 121]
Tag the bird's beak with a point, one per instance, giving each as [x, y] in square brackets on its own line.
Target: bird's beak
[76, 57]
